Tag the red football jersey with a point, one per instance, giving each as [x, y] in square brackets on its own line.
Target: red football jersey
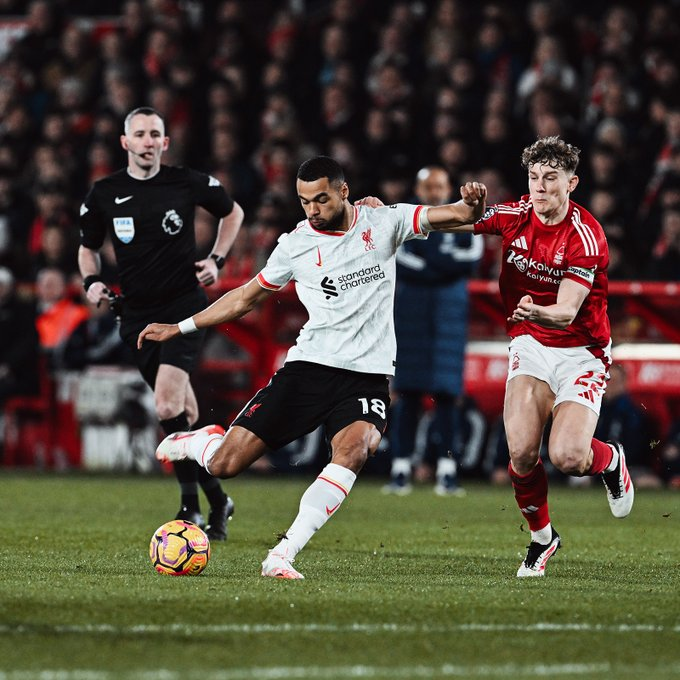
[536, 257]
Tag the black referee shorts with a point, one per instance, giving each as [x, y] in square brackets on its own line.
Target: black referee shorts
[303, 395]
[183, 351]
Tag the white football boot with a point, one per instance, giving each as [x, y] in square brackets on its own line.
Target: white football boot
[620, 490]
[279, 566]
[191, 445]
[537, 557]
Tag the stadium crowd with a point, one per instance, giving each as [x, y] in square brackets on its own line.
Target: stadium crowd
[250, 89]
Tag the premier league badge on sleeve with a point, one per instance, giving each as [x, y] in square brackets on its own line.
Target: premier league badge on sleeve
[124, 228]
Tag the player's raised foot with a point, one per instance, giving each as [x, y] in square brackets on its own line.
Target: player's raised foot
[278, 566]
[216, 529]
[619, 485]
[189, 515]
[537, 557]
[183, 445]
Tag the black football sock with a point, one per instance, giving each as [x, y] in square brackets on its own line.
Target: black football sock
[211, 488]
[186, 471]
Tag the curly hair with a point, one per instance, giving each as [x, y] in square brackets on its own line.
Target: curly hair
[551, 151]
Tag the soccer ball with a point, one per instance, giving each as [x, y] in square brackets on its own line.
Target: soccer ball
[179, 548]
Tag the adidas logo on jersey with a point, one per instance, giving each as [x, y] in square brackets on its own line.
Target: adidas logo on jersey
[328, 288]
[520, 242]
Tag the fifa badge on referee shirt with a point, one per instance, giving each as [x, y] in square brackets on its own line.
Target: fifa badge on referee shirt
[124, 228]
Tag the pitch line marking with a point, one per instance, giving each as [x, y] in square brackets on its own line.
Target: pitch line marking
[365, 629]
[510, 670]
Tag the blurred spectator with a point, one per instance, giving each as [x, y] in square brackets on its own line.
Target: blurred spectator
[665, 260]
[498, 143]
[18, 342]
[431, 310]
[448, 24]
[96, 341]
[51, 202]
[58, 250]
[620, 267]
[135, 22]
[35, 49]
[548, 68]
[162, 48]
[454, 157]
[391, 91]
[394, 185]
[75, 59]
[58, 315]
[391, 52]
[334, 50]
[16, 214]
[495, 56]
[619, 32]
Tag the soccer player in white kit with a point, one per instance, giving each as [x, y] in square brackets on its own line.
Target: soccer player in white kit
[342, 259]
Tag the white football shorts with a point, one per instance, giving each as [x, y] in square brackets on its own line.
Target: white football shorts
[573, 373]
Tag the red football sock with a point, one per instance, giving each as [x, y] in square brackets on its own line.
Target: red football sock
[602, 456]
[531, 494]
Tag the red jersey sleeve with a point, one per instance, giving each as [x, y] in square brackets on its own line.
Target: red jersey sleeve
[587, 254]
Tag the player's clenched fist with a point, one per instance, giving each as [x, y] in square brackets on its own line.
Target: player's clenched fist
[473, 193]
[524, 310]
[158, 332]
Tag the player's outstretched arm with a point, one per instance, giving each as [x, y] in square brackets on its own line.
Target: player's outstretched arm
[461, 215]
[232, 305]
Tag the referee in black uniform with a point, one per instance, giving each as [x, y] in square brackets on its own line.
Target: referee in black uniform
[148, 210]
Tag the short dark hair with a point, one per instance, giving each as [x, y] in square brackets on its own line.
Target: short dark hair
[551, 151]
[321, 166]
[144, 111]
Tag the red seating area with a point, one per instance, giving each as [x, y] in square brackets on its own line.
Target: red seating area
[42, 430]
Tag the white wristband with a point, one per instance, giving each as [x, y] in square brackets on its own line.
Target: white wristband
[423, 220]
[187, 326]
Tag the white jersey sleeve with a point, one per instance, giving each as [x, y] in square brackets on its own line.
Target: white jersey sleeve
[407, 221]
[278, 271]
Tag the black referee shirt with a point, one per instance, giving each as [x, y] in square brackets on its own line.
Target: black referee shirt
[151, 223]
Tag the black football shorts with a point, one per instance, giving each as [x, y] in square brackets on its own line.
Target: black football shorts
[183, 351]
[301, 396]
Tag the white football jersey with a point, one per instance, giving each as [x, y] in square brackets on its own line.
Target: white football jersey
[346, 282]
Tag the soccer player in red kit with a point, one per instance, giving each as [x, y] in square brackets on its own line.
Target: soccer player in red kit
[553, 283]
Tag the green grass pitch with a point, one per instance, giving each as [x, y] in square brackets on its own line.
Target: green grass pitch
[414, 587]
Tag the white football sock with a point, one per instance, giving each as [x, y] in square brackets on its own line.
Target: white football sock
[321, 499]
[543, 536]
[204, 449]
[615, 459]
[401, 466]
[446, 467]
